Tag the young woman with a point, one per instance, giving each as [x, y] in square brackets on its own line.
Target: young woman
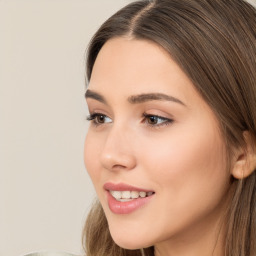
[171, 148]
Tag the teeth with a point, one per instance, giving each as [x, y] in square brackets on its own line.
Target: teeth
[142, 194]
[135, 194]
[124, 200]
[116, 194]
[124, 196]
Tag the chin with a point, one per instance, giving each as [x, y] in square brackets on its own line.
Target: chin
[130, 240]
[129, 244]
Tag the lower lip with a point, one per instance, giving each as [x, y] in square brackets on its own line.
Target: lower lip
[118, 207]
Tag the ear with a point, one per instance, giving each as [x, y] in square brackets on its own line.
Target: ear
[245, 158]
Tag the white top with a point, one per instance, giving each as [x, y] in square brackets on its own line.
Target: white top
[50, 254]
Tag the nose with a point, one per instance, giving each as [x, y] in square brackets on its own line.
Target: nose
[117, 152]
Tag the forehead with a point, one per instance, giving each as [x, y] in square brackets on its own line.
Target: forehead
[127, 54]
[126, 66]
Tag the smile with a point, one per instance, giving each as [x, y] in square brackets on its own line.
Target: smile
[124, 199]
[125, 196]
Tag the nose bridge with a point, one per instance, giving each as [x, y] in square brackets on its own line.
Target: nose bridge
[117, 152]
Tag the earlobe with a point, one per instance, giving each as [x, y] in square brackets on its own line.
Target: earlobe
[245, 158]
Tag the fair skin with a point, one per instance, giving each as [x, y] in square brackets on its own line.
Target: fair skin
[171, 146]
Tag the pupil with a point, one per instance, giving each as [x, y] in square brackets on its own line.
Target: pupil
[101, 119]
[153, 120]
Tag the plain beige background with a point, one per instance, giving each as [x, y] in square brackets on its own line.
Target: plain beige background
[45, 192]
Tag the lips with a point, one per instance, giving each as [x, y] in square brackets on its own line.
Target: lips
[123, 187]
[124, 199]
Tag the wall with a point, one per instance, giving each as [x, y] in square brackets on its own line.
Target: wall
[44, 189]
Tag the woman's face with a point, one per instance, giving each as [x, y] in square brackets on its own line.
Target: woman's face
[153, 135]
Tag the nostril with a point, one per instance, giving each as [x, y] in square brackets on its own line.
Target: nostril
[118, 166]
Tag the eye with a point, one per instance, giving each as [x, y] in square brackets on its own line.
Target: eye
[155, 120]
[98, 118]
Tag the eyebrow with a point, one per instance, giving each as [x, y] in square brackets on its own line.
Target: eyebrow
[136, 99]
[153, 96]
[94, 95]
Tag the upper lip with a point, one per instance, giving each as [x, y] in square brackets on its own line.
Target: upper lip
[123, 187]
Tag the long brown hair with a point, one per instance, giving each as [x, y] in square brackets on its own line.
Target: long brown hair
[214, 42]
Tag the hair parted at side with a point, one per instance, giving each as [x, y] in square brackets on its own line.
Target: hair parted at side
[214, 43]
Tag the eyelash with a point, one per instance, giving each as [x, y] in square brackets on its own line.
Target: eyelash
[164, 120]
[93, 118]
[146, 118]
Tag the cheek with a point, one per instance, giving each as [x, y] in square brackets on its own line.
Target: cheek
[188, 164]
